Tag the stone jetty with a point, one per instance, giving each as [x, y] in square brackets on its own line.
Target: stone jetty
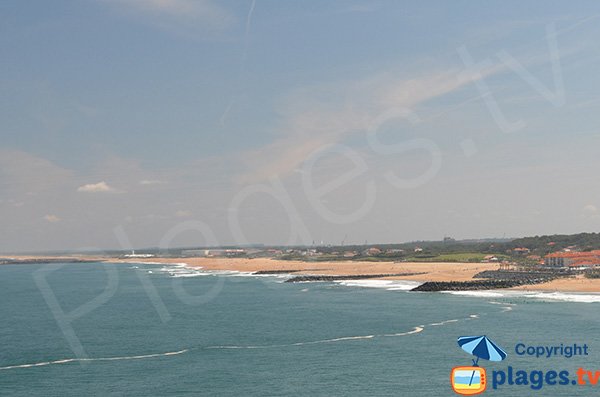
[309, 278]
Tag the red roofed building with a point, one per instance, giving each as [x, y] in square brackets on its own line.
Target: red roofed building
[583, 263]
[577, 259]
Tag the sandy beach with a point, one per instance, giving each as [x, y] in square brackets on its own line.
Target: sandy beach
[434, 271]
[428, 271]
[575, 284]
[431, 271]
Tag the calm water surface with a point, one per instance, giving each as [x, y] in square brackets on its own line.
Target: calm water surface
[153, 333]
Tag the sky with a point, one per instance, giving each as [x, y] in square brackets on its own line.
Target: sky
[162, 123]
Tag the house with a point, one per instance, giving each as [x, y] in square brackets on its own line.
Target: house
[394, 251]
[581, 264]
[579, 259]
[372, 251]
[521, 251]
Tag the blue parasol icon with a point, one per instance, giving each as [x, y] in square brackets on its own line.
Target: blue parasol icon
[481, 347]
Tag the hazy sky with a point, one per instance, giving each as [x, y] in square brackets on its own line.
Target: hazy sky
[191, 122]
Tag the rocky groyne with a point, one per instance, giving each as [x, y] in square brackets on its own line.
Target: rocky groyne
[313, 278]
[263, 272]
[435, 286]
[521, 275]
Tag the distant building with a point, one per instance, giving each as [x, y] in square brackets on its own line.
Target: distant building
[134, 255]
[394, 251]
[536, 258]
[521, 251]
[573, 259]
[418, 249]
[198, 252]
[224, 252]
[372, 251]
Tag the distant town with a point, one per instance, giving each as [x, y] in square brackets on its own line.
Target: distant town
[580, 251]
[509, 262]
[571, 252]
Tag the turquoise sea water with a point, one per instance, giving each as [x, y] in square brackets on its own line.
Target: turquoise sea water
[227, 335]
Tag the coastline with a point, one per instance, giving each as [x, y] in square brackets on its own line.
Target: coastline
[426, 271]
[420, 272]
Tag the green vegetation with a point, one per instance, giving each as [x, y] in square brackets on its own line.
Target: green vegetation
[455, 257]
[542, 245]
[447, 250]
[450, 250]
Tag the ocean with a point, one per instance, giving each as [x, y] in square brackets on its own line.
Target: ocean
[139, 330]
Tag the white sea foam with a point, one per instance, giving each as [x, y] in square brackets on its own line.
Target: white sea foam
[549, 297]
[564, 297]
[390, 285]
[183, 270]
[343, 338]
[443, 322]
[414, 331]
[407, 285]
[482, 294]
[71, 360]
[545, 296]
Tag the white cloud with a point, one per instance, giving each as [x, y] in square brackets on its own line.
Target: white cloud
[590, 209]
[52, 218]
[100, 187]
[179, 15]
[328, 113]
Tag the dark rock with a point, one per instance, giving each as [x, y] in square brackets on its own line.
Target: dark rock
[307, 278]
[434, 286]
[276, 271]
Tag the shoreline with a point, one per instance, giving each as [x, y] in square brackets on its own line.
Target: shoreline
[422, 272]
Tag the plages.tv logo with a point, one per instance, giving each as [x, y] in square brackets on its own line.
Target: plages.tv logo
[471, 380]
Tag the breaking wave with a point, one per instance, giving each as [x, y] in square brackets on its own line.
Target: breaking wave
[415, 330]
[73, 360]
[390, 285]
